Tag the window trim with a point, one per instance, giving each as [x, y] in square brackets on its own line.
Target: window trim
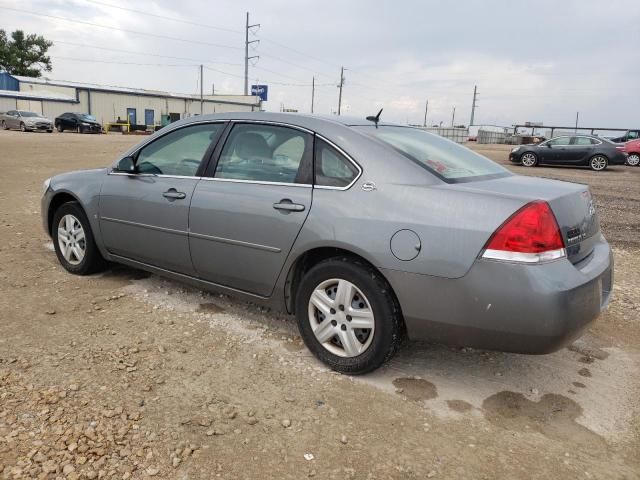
[210, 171]
[206, 158]
[343, 153]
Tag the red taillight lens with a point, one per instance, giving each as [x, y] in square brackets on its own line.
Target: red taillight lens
[530, 235]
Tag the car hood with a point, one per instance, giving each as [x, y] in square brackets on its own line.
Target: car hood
[36, 119]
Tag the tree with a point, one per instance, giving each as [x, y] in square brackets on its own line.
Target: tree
[24, 54]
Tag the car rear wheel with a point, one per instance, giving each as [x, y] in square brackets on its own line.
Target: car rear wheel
[598, 162]
[73, 241]
[348, 316]
[529, 159]
[633, 159]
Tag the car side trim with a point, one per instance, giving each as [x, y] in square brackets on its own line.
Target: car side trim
[144, 225]
[259, 182]
[240, 243]
[161, 175]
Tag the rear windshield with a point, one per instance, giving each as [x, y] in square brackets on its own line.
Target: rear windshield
[444, 158]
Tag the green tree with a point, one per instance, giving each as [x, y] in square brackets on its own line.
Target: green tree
[24, 54]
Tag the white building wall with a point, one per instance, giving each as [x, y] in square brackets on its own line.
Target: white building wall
[37, 87]
[7, 104]
[30, 105]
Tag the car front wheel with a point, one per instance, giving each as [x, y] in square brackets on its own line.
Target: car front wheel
[73, 241]
[633, 159]
[59, 128]
[598, 162]
[348, 316]
[23, 128]
[4, 125]
[529, 159]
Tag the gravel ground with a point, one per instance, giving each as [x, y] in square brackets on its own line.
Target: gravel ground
[126, 375]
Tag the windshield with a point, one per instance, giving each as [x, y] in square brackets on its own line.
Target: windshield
[28, 114]
[86, 116]
[445, 159]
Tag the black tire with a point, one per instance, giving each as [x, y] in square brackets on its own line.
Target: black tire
[633, 160]
[595, 163]
[60, 128]
[389, 325]
[50, 131]
[92, 261]
[78, 129]
[529, 159]
[23, 128]
[4, 125]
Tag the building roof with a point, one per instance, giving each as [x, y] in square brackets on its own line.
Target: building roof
[38, 95]
[241, 100]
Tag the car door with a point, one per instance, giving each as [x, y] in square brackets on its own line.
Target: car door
[557, 150]
[580, 149]
[10, 119]
[247, 213]
[144, 215]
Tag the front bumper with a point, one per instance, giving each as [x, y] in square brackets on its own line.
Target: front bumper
[506, 306]
[39, 126]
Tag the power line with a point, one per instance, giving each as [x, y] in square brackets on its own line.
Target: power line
[173, 19]
[135, 32]
[90, 60]
[146, 54]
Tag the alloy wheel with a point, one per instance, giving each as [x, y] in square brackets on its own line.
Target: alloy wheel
[341, 318]
[598, 162]
[71, 239]
[633, 159]
[529, 160]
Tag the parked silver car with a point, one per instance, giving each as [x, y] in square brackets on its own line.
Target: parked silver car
[25, 121]
[364, 231]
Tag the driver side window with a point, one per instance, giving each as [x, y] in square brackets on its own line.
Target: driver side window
[178, 153]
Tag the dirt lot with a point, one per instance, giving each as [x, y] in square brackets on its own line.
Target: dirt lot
[126, 375]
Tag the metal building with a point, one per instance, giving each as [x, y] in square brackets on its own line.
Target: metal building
[109, 103]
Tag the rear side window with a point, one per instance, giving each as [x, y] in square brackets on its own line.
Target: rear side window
[583, 141]
[443, 158]
[560, 141]
[332, 168]
[266, 153]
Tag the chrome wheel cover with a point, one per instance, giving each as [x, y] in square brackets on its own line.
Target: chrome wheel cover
[71, 239]
[633, 160]
[598, 162]
[528, 159]
[341, 318]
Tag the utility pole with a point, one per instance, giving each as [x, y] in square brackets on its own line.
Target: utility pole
[577, 116]
[426, 109]
[213, 89]
[246, 53]
[201, 91]
[313, 90]
[473, 105]
[340, 87]
[453, 116]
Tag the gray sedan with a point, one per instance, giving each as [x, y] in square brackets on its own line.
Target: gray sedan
[25, 121]
[365, 231]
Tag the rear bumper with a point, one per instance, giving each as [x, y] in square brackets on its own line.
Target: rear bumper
[505, 306]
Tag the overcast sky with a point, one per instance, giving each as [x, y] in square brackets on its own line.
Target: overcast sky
[532, 61]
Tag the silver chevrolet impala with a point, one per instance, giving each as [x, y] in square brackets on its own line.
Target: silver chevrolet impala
[366, 231]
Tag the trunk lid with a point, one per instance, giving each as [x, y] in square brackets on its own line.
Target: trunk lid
[571, 203]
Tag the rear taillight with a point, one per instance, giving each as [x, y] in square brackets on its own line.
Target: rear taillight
[531, 235]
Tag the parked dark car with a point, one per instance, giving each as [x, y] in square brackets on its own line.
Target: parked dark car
[79, 122]
[595, 152]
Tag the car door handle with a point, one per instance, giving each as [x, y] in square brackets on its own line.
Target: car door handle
[287, 205]
[173, 194]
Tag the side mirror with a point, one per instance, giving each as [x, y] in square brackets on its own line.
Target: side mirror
[126, 165]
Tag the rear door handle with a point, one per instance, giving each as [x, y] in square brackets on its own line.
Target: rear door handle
[173, 194]
[287, 205]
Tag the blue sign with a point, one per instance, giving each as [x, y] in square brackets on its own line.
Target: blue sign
[260, 91]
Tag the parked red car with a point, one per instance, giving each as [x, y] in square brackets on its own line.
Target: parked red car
[632, 149]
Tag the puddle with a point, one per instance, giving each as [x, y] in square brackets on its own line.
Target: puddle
[209, 308]
[553, 415]
[459, 406]
[579, 385]
[589, 352]
[584, 372]
[415, 388]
